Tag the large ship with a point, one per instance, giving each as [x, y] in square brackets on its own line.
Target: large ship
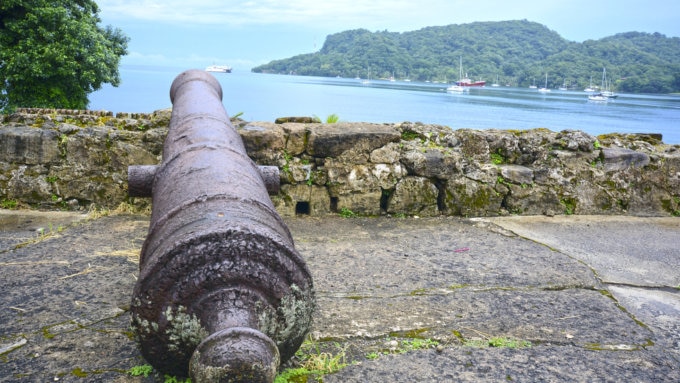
[218, 68]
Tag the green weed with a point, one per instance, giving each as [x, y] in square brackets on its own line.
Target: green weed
[347, 213]
[8, 203]
[404, 346]
[313, 363]
[409, 135]
[497, 158]
[497, 342]
[569, 205]
[332, 119]
[143, 370]
[373, 355]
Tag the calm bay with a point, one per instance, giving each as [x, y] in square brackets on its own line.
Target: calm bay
[264, 97]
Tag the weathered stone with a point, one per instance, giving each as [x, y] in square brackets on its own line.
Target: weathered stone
[473, 144]
[387, 175]
[575, 140]
[264, 141]
[467, 197]
[503, 143]
[299, 172]
[617, 159]
[387, 154]
[331, 140]
[532, 200]
[414, 195]
[346, 178]
[308, 120]
[302, 199]
[367, 203]
[430, 163]
[296, 138]
[28, 146]
[574, 159]
[32, 189]
[517, 174]
[487, 173]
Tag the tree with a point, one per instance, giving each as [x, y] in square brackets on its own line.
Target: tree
[53, 53]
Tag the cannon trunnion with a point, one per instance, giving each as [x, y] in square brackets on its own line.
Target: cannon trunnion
[222, 294]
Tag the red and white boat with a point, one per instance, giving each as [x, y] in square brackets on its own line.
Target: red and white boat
[465, 81]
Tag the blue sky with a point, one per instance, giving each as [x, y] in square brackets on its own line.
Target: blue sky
[244, 34]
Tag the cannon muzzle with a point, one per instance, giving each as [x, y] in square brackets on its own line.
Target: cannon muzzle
[222, 294]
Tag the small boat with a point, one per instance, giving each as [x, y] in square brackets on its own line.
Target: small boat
[606, 91]
[495, 84]
[545, 88]
[533, 84]
[599, 97]
[590, 87]
[465, 81]
[218, 69]
[455, 88]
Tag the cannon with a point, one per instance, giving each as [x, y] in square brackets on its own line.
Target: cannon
[222, 294]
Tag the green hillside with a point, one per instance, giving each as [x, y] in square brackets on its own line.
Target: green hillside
[518, 52]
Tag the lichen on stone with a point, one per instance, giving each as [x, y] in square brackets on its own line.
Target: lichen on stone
[292, 319]
[184, 330]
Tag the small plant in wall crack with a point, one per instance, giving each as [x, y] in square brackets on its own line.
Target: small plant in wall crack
[347, 213]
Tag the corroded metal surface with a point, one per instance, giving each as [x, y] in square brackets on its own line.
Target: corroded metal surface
[222, 293]
[140, 179]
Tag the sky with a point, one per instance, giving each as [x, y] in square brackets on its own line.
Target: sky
[246, 33]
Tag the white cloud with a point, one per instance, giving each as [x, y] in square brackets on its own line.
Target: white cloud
[349, 13]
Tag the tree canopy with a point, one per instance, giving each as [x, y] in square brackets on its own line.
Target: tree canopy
[517, 52]
[53, 53]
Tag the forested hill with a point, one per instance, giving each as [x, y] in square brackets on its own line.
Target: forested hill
[518, 53]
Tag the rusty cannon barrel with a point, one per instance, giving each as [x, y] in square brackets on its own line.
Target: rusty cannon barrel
[222, 294]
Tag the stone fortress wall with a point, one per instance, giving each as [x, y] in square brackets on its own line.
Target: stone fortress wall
[78, 159]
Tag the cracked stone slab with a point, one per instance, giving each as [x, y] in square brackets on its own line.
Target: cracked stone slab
[586, 318]
[640, 251]
[386, 257]
[659, 309]
[66, 295]
[23, 226]
[535, 364]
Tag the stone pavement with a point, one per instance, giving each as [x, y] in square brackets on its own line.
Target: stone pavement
[524, 299]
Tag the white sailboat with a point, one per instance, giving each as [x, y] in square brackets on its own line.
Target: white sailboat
[457, 88]
[533, 84]
[590, 87]
[545, 88]
[606, 86]
[605, 93]
[496, 83]
[368, 79]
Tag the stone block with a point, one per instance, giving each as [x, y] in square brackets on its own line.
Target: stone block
[617, 159]
[331, 140]
[517, 174]
[30, 146]
[414, 196]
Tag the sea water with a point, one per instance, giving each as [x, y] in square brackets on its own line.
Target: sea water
[264, 97]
